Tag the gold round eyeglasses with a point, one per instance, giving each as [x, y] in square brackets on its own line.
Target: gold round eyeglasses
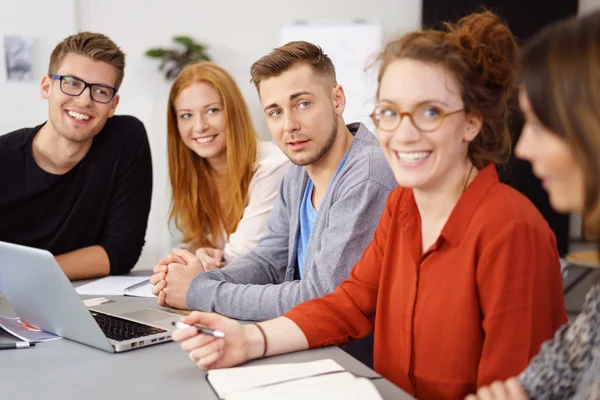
[425, 117]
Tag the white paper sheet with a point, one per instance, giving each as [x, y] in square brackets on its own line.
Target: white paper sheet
[230, 380]
[340, 385]
[110, 286]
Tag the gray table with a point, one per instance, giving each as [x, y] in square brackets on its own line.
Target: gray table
[64, 369]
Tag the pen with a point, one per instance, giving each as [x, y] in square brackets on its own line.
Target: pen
[17, 345]
[201, 329]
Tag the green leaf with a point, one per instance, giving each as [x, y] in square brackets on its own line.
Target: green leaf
[173, 60]
[156, 53]
[197, 48]
[185, 40]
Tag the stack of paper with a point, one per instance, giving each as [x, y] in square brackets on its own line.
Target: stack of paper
[324, 379]
[138, 286]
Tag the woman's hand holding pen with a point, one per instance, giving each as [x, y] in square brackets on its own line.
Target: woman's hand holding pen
[209, 352]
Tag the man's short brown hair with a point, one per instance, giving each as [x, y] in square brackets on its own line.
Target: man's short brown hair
[93, 45]
[289, 55]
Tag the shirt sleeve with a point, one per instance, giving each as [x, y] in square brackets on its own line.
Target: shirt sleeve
[555, 373]
[262, 196]
[353, 218]
[347, 312]
[520, 289]
[127, 218]
[265, 264]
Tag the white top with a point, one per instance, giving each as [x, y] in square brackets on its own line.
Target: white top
[269, 169]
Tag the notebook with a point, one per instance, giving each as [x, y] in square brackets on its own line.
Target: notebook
[315, 380]
[138, 286]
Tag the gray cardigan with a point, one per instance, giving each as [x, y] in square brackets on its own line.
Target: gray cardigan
[260, 285]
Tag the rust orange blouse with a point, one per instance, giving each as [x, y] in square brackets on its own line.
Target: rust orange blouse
[472, 309]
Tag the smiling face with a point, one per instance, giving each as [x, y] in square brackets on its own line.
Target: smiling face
[201, 121]
[424, 160]
[552, 161]
[301, 110]
[79, 118]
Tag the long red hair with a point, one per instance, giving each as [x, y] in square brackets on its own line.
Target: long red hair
[196, 207]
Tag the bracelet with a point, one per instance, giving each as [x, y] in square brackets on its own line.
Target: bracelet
[262, 331]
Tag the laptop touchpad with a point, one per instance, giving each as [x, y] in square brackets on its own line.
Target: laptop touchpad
[149, 315]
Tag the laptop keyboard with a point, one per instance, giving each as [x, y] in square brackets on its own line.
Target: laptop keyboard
[121, 329]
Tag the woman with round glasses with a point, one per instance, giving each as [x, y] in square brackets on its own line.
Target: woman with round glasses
[461, 283]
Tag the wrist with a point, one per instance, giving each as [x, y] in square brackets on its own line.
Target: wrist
[255, 341]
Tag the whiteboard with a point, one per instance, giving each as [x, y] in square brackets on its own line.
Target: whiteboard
[352, 45]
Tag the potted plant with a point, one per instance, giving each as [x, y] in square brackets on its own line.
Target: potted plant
[174, 60]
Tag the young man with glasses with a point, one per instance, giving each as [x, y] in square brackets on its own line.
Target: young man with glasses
[80, 184]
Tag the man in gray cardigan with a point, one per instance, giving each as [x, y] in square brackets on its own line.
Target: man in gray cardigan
[328, 207]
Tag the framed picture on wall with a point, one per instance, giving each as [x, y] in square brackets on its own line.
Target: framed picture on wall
[18, 58]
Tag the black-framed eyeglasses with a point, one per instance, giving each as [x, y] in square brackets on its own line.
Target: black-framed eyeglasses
[72, 86]
[425, 117]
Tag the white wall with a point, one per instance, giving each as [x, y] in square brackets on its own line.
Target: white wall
[238, 33]
[586, 6]
[20, 103]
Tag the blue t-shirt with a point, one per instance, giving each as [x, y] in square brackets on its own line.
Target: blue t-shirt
[308, 214]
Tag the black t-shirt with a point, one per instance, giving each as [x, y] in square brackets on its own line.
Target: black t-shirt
[104, 200]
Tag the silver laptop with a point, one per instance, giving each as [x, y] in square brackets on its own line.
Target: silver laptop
[41, 295]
